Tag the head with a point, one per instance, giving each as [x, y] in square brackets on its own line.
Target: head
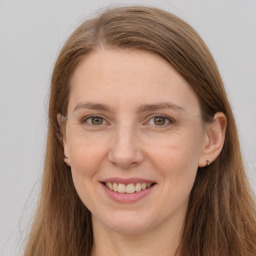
[166, 39]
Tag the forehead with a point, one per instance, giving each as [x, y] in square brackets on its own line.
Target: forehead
[127, 79]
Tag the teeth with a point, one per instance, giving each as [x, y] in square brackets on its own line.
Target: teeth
[138, 187]
[121, 188]
[129, 188]
[115, 188]
[110, 185]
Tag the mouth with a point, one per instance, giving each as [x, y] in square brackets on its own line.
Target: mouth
[128, 188]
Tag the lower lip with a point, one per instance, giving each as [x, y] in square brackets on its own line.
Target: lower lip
[126, 197]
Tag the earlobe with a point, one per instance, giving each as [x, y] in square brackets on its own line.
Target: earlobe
[66, 160]
[214, 140]
[59, 119]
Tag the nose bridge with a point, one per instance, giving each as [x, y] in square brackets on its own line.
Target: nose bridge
[124, 147]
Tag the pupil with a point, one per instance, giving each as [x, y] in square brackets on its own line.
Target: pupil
[159, 120]
[97, 120]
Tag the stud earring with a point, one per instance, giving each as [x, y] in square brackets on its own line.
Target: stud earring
[207, 162]
[65, 156]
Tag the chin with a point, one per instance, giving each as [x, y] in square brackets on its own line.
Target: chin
[128, 223]
[129, 228]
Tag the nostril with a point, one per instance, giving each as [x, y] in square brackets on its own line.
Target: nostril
[125, 155]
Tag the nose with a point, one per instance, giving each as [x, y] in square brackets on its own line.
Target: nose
[125, 150]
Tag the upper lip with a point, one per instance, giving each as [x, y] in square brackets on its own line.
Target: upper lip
[127, 180]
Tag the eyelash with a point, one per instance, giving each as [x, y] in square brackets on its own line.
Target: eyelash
[166, 118]
[85, 119]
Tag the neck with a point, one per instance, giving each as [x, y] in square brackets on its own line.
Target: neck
[163, 240]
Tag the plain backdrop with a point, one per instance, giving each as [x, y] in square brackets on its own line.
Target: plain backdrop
[31, 35]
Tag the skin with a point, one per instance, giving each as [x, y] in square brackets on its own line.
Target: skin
[130, 143]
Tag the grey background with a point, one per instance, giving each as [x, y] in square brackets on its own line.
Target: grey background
[32, 33]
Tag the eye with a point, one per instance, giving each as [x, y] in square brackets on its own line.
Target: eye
[160, 121]
[94, 120]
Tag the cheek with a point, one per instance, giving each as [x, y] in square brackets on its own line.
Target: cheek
[86, 157]
[176, 159]
[178, 151]
[177, 165]
[85, 161]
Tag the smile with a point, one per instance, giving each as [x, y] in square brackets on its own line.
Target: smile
[128, 188]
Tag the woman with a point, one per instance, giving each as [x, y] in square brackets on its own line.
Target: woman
[142, 155]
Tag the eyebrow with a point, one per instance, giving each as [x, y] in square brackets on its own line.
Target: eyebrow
[93, 106]
[154, 107]
[143, 108]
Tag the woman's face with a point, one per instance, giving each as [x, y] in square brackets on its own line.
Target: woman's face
[134, 138]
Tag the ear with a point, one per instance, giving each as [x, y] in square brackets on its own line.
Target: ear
[65, 154]
[59, 119]
[214, 139]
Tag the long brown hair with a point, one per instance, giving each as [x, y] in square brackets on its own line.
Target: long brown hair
[221, 215]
